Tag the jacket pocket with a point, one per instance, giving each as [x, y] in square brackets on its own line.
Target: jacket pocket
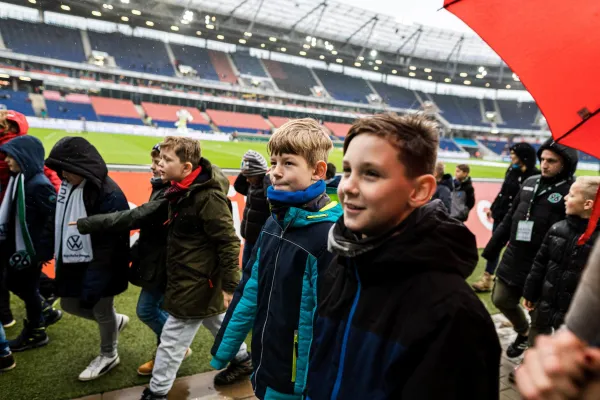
[295, 356]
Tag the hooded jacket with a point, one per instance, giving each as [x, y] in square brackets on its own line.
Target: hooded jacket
[257, 209]
[547, 208]
[396, 319]
[513, 180]
[106, 274]
[40, 197]
[444, 191]
[557, 270]
[277, 299]
[463, 199]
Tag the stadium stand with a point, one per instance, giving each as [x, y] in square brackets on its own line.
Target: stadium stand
[471, 109]
[68, 110]
[291, 78]
[18, 101]
[587, 158]
[488, 104]
[464, 142]
[222, 66]
[248, 65]
[517, 115]
[339, 130]
[344, 87]
[119, 111]
[229, 122]
[448, 145]
[396, 96]
[196, 58]
[278, 121]
[134, 53]
[165, 115]
[497, 146]
[42, 40]
[459, 111]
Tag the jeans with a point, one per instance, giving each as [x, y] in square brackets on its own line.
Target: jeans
[492, 264]
[4, 349]
[507, 299]
[149, 310]
[247, 253]
[25, 284]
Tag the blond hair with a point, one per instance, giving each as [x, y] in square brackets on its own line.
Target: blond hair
[187, 149]
[303, 137]
[589, 186]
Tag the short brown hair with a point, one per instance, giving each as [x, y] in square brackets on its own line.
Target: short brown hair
[187, 149]
[303, 137]
[414, 136]
[464, 168]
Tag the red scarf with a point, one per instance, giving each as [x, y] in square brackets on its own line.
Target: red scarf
[592, 223]
[177, 189]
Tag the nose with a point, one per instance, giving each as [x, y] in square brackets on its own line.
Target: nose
[348, 185]
[276, 171]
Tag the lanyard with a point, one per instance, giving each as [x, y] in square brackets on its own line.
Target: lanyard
[536, 194]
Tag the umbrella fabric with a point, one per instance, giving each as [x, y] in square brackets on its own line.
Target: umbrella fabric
[554, 48]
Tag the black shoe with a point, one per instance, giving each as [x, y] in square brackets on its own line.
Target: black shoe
[30, 338]
[52, 316]
[234, 372]
[7, 363]
[148, 395]
[517, 347]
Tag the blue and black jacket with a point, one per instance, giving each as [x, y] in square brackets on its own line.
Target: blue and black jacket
[277, 299]
[396, 319]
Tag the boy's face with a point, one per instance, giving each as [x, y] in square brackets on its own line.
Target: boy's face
[72, 178]
[576, 203]
[170, 166]
[460, 175]
[291, 172]
[154, 167]
[12, 164]
[514, 159]
[374, 191]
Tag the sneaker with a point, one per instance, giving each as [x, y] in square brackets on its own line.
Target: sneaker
[235, 371]
[52, 316]
[9, 324]
[148, 395]
[30, 338]
[98, 367]
[484, 284]
[7, 363]
[123, 322]
[517, 347]
[146, 369]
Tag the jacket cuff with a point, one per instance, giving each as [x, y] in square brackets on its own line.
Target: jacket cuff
[218, 364]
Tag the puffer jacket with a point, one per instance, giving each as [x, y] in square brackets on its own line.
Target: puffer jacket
[557, 270]
[513, 180]
[463, 199]
[444, 190]
[106, 275]
[396, 320]
[548, 208]
[277, 300]
[257, 209]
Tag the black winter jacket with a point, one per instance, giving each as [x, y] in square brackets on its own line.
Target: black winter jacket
[463, 199]
[548, 208]
[557, 269]
[399, 315]
[257, 209]
[106, 274]
[513, 180]
[444, 191]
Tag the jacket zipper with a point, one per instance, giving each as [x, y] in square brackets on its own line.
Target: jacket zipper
[262, 336]
[294, 356]
[338, 379]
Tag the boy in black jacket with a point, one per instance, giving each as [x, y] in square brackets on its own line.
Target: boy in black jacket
[463, 195]
[26, 234]
[395, 317]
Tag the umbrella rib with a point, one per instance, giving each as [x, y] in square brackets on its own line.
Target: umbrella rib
[449, 4]
[573, 129]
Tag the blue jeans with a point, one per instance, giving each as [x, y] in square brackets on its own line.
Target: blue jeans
[4, 349]
[492, 264]
[247, 253]
[149, 310]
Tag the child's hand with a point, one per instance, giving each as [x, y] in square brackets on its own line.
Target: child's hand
[529, 306]
[227, 298]
[73, 223]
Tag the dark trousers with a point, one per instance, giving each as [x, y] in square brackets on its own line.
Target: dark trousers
[25, 283]
[47, 286]
[492, 264]
[508, 300]
[248, 247]
[5, 313]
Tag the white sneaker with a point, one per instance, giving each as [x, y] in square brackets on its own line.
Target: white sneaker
[123, 321]
[98, 367]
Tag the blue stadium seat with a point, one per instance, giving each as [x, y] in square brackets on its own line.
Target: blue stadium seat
[397, 96]
[497, 146]
[18, 101]
[248, 65]
[197, 58]
[448, 145]
[459, 110]
[587, 158]
[343, 87]
[42, 40]
[291, 78]
[517, 115]
[466, 142]
[67, 110]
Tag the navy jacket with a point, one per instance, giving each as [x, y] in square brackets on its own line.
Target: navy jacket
[399, 321]
[106, 275]
[444, 191]
[40, 197]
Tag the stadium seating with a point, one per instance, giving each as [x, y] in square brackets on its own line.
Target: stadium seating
[278, 121]
[223, 67]
[134, 53]
[396, 96]
[448, 145]
[517, 115]
[248, 65]
[457, 110]
[291, 78]
[497, 146]
[229, 122]
[18, 101]
[466, 142]
[69, 110]
[471, 109]
[118, 111]
[42, 40]
[165, 115]
[196, 58]
[344, 87]
[583, 157]
[339, 130]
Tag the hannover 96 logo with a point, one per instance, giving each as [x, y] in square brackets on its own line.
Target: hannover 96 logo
[555, 198]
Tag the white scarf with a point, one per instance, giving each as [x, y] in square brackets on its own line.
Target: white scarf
[71, 246]
[15, 192]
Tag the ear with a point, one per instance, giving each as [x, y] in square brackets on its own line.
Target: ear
[588, 205]
[188, 167]
[319, 171]
[424, 189]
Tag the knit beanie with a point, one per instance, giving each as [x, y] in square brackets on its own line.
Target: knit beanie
[253, 163]
[526, 154]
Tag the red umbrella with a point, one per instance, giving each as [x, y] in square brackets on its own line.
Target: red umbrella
[554, 48]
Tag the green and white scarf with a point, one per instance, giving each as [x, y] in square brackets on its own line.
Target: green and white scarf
[15, 195]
